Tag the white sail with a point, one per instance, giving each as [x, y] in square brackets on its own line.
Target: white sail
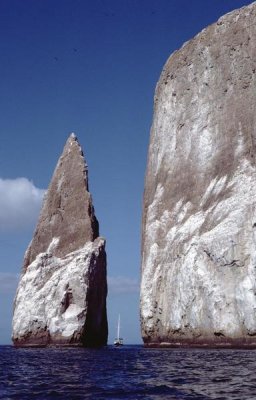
[118, 341]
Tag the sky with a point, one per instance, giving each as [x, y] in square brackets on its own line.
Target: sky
[89, 67]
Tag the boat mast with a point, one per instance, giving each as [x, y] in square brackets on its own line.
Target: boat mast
[118, 327]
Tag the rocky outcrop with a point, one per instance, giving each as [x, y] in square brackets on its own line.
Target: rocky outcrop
[198, 282]
[61, 297]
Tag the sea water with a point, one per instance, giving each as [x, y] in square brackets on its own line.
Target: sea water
[130, 372]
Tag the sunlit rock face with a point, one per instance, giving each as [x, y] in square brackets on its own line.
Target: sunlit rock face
[199, 223]
[61, 297]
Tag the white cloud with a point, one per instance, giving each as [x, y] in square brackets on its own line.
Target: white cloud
[8, 282]
[20, 202]
[122, 284]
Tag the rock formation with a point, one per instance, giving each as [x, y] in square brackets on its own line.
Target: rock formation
[198, 282]
[61, 297]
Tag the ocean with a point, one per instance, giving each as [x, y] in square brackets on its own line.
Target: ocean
[130, 372]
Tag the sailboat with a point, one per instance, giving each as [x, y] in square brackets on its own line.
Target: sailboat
[118, 341]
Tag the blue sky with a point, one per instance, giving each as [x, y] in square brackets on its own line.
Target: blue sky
[89, 67]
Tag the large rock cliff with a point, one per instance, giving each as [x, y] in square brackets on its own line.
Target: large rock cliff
[61, 297]
[199, 223]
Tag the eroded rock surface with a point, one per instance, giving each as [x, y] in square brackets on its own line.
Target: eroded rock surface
[199, 223]
[61, 297]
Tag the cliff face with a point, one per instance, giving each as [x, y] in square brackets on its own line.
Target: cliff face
[199, 222]
[61, 297]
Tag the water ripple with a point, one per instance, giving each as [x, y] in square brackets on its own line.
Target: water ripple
[128, 373]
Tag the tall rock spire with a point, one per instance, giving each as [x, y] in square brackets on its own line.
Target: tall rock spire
[61, 297]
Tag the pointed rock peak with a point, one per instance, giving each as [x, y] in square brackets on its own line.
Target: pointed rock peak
[72, 144]
[67, 212]
[72, 139]
[72, 136]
